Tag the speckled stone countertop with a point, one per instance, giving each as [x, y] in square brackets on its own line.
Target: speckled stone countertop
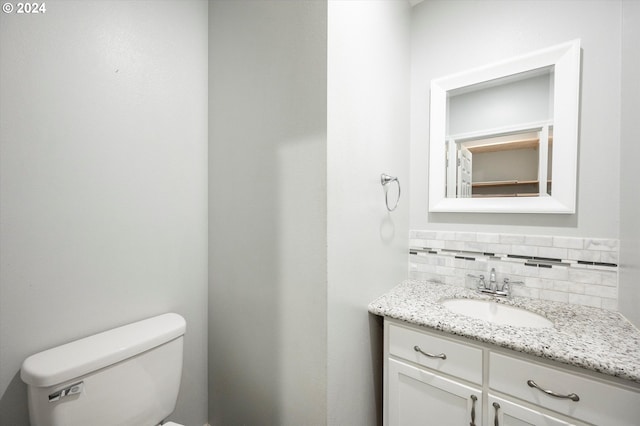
[591, 338]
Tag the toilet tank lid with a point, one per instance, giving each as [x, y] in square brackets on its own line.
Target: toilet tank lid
[75, 359]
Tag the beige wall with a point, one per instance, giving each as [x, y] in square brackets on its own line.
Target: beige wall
[103, 180]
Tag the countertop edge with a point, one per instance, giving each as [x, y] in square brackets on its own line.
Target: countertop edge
[416, 302]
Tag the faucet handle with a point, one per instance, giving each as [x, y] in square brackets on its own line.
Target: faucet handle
[506, 285]
[480, 279]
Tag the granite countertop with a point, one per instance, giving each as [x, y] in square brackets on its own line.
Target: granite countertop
[591, 338]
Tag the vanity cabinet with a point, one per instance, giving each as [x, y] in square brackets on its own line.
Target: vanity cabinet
[434, 378]
[431, 380]
[421, 397]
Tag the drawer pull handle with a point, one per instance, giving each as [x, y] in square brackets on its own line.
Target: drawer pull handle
[473, 410]
[496, 407]
[571, 396]
[417, 349]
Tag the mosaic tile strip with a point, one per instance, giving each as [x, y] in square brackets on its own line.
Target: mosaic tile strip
[582, 271]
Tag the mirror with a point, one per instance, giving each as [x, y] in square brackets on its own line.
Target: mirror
[503, 137]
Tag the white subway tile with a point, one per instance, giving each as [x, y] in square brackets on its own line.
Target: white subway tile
[487, 238]
[505, 268]
[568, 242]
[445, 235]
[585, 255]
[459, 263]
[524, 270]
[425, 235]
[556, 296]
[511, 239]
[453, 245]
[609, 257]
[555, 273]
[466, 236]
[602, 244]
[601, 291]
[580, 299]
[443, 270]
[555, 285]
[553, 252]
[417, 242]
[524, 250]
[473, 246]
[456, 281]
[609, 278]
[425, 267]
[539, 240]
[434, 244]
[429, 260]
[576, 288]
[533, 282]
[585, 276]
[442, 261]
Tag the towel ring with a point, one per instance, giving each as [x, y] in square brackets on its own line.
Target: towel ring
[385, 180]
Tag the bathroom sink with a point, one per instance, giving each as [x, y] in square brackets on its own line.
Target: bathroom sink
[496, 313]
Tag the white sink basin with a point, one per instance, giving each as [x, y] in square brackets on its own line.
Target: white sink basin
[496, 313]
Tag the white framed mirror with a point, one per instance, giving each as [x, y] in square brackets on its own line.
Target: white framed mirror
[504, 137]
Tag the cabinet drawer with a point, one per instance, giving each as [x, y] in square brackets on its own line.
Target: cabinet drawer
[599, 402]
[461, 360]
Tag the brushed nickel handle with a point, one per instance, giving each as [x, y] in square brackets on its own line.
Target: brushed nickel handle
[496, 407]
[430, 355]
[571, 396]
[473, 410]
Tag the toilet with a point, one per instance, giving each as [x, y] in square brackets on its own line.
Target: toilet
[127, 376]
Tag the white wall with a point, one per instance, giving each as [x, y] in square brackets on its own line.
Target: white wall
[630, 157]
[268, 232]
[368, 134]
[452, 36]
[102, 181]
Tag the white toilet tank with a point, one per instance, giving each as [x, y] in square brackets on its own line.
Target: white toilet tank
[128, 376]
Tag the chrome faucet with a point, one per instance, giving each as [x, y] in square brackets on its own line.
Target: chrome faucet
[492, 280]
[493, 287]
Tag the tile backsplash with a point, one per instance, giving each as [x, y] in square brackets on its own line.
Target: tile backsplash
[582, 271]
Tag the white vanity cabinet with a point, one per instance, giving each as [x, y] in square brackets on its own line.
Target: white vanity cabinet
[421, 397]
[432, 378]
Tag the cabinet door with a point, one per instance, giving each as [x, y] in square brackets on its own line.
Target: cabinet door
[507, 413]
[419, 397]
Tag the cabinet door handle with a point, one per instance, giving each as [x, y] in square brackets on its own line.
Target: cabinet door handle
[571, 396]
[473, 410]
[417, 349]
[496, 407]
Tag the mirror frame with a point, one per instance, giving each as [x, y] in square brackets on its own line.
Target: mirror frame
[565, 58]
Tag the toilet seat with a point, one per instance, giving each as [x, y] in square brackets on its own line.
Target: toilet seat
[171, 424]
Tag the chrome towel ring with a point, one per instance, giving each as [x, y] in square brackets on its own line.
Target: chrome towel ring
[385, 180]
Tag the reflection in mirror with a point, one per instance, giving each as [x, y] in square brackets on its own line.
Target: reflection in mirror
[500, 165]
[492, 146]
[497, 136]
